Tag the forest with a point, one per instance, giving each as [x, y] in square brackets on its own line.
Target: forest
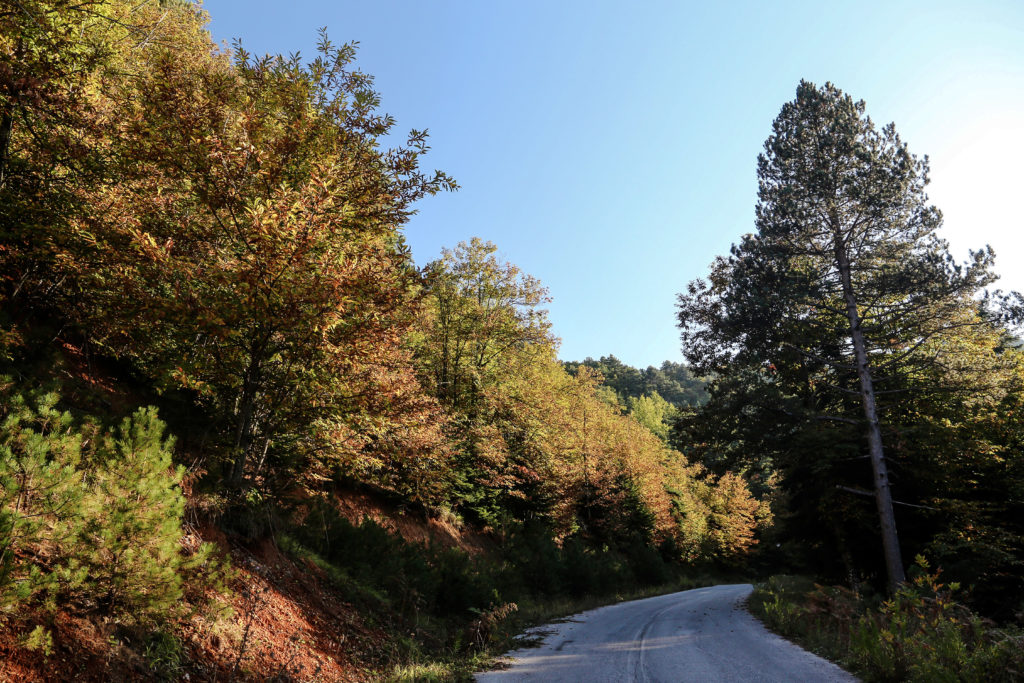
[213, 332]
[228, 392]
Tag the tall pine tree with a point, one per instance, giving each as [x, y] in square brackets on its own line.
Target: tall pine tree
[844, 283]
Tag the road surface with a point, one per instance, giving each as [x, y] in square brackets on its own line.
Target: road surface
[697, 635]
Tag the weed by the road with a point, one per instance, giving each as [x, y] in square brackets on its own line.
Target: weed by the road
[920, 634]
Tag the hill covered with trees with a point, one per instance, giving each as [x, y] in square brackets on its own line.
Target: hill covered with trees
[213, 339]
[244, 436]
[674, 382]
[654, 397]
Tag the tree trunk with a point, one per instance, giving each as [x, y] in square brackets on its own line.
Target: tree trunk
[242, 442]
[6, 127]
[7, 121]
[243, 434]
[883, 497]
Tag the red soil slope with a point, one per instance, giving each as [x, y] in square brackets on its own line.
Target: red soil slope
[285, 622]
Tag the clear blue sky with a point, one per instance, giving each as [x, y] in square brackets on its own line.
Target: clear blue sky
[609, 148]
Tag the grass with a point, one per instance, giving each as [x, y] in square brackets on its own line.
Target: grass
[782, 604]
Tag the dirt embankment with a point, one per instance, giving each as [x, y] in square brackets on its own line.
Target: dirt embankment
[282, 620]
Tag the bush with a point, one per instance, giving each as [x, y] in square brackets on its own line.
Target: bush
[585, 571]
[411, 577]
[647, 564]
[38, 639]
[920, 634]
[535, 561]
[452, 584]
[780, 603]
[463, 585]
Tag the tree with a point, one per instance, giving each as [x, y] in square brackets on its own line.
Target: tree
[230, 226]
[483, 329]
[54, 55]
[672, 381]
[844, 282]
[40, 495]
[652, 412]
[541, 441]
[132, 514]
[482, 310]
[250, 252]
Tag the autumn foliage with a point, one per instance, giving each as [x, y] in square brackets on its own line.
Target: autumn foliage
[225, 231]
[534, 442]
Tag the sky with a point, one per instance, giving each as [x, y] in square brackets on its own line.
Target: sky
[609, 148]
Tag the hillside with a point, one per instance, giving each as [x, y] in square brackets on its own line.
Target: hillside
[243, 435]
[347, 584]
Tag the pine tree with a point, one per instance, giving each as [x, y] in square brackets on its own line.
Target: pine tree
[844, 281]
[40, 495]
[131, 540]
[100, 531]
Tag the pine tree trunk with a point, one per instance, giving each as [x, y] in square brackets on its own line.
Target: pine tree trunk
[883, 496]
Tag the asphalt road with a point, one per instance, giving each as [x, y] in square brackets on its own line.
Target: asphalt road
[698, 635]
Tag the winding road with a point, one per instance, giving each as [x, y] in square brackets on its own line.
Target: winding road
[697, 635]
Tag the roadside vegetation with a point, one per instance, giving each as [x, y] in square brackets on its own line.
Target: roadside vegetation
[922, 633]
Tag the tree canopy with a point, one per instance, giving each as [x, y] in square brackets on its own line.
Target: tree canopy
[828, 327]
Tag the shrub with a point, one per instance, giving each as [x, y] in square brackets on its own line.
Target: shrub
[922, 634]
[647, 564]
[780, 603]
[462, 585]
[164, 655]
[101, 533]
[537, 560]
[38, 639]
